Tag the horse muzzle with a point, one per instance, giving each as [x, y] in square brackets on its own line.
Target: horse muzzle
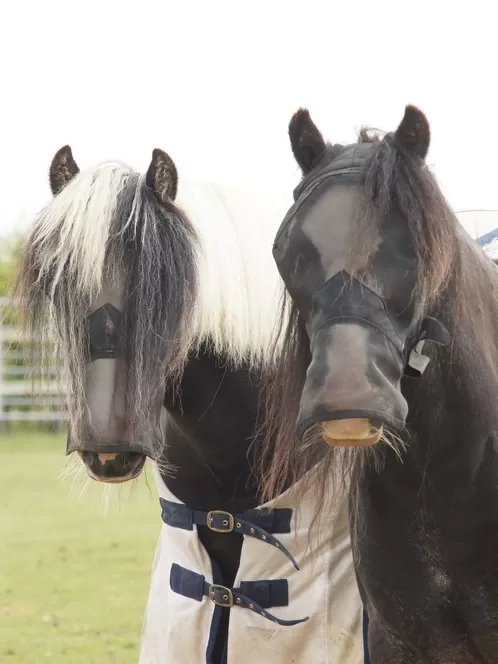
[113, 468]
[359, 432]
[352, 387]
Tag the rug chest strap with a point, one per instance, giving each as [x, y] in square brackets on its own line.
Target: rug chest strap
[256, 596]
[252, 523]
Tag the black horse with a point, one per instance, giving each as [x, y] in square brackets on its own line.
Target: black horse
[164, 314]
[393, 338]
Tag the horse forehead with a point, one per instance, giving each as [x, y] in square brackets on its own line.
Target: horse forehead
[326, 203]
[330, 225]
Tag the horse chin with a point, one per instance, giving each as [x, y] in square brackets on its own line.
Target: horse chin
[113, 480]
[113, 468]
[357, 432]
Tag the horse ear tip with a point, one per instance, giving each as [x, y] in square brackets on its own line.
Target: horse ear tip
[411, 108]
[302, 112]
[64, 150]
[415, 112]
[414, 132]
[160, 155]
[301, 116]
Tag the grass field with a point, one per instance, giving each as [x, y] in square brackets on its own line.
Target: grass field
[73, 579]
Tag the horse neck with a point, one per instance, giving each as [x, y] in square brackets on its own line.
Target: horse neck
[452, 408]
[210, 427]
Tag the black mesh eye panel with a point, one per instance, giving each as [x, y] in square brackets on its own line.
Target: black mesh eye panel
[103, 328]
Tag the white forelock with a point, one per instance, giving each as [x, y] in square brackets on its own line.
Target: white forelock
[73, 229]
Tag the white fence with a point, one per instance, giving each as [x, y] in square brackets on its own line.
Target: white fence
[29, 391]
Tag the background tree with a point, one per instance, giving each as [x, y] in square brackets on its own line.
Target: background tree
[11, 247]
[10, 254]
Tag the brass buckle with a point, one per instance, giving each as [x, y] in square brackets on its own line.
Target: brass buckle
[227, 596]
[228, 521]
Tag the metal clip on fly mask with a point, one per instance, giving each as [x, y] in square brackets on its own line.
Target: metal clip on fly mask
[360, 347]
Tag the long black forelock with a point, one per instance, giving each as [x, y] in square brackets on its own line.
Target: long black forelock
[158, 246]
[395, 177]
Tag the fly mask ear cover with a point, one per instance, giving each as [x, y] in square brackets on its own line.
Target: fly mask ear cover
[359, 351]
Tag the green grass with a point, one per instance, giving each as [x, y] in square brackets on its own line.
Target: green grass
[73, 579]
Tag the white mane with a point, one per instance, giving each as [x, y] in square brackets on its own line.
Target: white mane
[239, 296]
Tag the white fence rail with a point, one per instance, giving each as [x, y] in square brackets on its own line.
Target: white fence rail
[29, 391]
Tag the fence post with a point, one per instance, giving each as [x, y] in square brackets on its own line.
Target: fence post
[14, 392]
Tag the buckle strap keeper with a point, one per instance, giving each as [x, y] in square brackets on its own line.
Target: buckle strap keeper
[256, 596]
[179, 515]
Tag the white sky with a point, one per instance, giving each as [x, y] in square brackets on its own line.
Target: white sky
[214, 83]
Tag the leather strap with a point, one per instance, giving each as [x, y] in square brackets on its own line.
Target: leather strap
[256, 596]
[252, 523]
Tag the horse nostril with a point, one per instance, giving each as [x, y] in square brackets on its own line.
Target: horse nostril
[106, 466]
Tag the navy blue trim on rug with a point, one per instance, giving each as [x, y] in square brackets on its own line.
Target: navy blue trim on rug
[366, 656]
[217, 613]
[224, 657]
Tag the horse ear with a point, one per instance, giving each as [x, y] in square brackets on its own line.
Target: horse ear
[62, 169]
[414, 134]
[306, 141]
[162, 176]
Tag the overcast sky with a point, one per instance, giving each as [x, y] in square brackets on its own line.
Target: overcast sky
[214, 83]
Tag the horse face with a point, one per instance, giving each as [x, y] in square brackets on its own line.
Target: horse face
[108, 449]
[116, 330]
[353, 280]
